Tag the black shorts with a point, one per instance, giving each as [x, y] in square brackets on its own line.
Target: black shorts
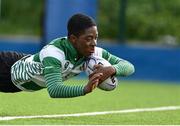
[7, 59]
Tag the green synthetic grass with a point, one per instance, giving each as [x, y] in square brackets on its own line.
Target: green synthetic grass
[129, 95]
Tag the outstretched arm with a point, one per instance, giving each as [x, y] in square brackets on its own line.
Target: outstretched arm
[122, 67]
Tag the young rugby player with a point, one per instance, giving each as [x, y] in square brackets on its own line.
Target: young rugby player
[60, 60]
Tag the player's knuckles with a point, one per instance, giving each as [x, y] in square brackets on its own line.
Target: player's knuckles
[96, 75]
[93, 77]
[97, 78]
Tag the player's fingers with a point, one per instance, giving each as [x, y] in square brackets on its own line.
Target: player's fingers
[96, 76]
[95, 84]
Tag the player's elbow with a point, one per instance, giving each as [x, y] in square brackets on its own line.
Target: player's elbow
[129, 69]
[52, 94]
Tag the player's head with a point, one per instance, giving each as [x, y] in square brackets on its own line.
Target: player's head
[82, 33]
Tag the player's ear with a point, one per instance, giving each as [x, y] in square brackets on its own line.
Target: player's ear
[72, 38]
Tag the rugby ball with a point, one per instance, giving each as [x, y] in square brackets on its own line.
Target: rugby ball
[107, 85]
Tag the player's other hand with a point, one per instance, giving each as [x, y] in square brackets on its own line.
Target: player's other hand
[107, 71]
[93, 82]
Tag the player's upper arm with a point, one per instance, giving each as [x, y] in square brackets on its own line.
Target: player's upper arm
[111, 58]
[51, 65]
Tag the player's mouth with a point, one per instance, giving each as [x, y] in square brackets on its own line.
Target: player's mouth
[91, 51]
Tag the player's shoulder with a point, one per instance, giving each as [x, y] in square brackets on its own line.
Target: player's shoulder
[55, 45]
[58, 40]
[53, 49]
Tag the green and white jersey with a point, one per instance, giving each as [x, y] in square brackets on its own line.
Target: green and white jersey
[55, 63]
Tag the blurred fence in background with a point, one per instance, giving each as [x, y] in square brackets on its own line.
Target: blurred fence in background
[27, 25]
[58, 12]
[146, 20]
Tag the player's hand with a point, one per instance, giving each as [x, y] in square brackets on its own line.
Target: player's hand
[107, 72]
[93, 82]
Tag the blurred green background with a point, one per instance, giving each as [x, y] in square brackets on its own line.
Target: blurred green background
[147, 21]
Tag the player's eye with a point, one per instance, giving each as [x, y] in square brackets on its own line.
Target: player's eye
[96, 37]
[89, 38]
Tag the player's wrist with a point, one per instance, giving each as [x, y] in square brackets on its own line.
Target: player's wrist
[112, 70]
[86, 90]
[115, 69]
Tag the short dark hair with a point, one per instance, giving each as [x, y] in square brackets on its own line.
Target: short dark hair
[78, 23]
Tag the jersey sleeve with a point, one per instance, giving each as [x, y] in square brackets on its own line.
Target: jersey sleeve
[54, 83]
[52, 59]
[122, 67]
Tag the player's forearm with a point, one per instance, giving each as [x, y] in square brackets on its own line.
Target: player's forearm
[124, 68]
[56, 88]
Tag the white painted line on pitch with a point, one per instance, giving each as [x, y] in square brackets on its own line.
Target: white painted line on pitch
[93, 113]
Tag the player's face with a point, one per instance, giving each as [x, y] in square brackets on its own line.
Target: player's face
[86, 42]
